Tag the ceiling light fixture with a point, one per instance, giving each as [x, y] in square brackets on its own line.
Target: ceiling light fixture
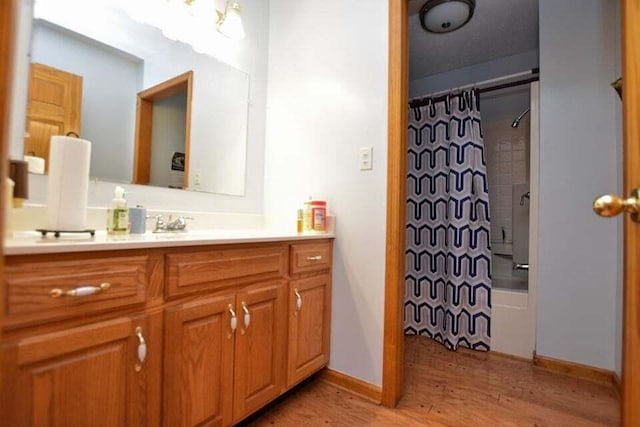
[230, 22]
[443, 16]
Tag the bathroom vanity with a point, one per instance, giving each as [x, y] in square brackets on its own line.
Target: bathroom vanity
[178, 331]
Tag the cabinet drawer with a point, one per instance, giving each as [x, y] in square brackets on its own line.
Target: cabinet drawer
[217, 268]
[45, 290]
[307, 257]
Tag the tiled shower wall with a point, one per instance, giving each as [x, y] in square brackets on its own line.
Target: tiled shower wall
[507, 155]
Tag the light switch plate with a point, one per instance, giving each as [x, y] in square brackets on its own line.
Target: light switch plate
[366, 158]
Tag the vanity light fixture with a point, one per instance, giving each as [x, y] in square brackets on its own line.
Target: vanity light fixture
[443, 16]
[230, 22]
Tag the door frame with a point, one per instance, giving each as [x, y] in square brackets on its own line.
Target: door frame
[8, 11]
[630, 17]
[393, 341]
[144, 124]
[393, 344]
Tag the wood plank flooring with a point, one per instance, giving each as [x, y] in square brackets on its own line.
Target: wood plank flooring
[462, 388]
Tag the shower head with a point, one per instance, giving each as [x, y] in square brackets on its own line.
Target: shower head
[516, 122]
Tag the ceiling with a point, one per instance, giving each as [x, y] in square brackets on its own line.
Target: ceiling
[498, 28]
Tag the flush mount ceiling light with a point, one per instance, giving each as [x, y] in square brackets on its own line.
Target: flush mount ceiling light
[230, 22]
[443, 16]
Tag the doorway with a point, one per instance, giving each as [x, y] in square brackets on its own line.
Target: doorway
[396, 209]
[163, 133]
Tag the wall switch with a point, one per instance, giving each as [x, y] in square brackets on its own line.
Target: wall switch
[366, 158]
[197, 179]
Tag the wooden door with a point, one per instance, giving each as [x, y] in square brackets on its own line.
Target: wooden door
[309, 326]
[631, 132]
[54, 108]
[259, 372]
[85, 376]
[198, 364]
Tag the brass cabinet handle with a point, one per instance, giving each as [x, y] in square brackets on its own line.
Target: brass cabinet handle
[298, 299]
[314, 258]
[611, 205]
[81, 291]
[247, 316]
[233, 322]
[142, 349]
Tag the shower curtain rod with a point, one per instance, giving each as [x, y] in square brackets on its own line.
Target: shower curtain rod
[434, 97]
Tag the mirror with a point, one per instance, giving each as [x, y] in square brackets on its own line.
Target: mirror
[196, 132]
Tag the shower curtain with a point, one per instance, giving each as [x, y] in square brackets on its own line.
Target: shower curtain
[448, 256]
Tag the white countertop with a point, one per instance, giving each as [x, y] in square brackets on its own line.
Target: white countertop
[32, 242]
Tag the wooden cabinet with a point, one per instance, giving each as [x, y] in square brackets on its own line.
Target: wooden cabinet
[310, 257]
[198, 362]
[89, 375]
[227, 329]
[309, 324]
[259, 371]
[116, 281]
[207, 270]
[224, 355]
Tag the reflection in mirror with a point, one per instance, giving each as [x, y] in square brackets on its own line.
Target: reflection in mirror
[103, 61]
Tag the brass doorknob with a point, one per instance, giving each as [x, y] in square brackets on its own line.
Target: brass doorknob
[612, 205]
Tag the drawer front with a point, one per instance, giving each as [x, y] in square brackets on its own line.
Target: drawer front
[306, 257]
[195, 271]
[62, 289]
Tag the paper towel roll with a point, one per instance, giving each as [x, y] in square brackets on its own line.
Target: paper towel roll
[68, 186]
[36, 164]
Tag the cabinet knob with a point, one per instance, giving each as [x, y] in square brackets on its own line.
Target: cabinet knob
[233, 321]
[81, 291]
[247, 316]
[298, 299]
[142, 349]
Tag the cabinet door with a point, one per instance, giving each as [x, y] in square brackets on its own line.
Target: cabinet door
[260, 347]
[198, 369]
[84, 376]
[309, 326]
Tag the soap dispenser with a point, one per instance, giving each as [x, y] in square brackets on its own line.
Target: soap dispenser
[118, 214]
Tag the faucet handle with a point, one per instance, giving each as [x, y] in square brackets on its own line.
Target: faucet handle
[181, 222]
[159, 221]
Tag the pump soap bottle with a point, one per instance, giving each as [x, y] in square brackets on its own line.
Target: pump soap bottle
[118, 214]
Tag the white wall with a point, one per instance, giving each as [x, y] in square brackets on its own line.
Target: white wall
[579, 252]
[21, 60]
[110, 81]
[327, 97]
[474, 73]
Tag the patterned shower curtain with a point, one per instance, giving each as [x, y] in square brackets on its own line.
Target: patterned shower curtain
[448, 256]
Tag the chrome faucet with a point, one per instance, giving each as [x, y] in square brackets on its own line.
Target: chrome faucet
[174, 225]
[518, 266]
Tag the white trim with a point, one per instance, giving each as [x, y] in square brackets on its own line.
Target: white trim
[534, 207]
